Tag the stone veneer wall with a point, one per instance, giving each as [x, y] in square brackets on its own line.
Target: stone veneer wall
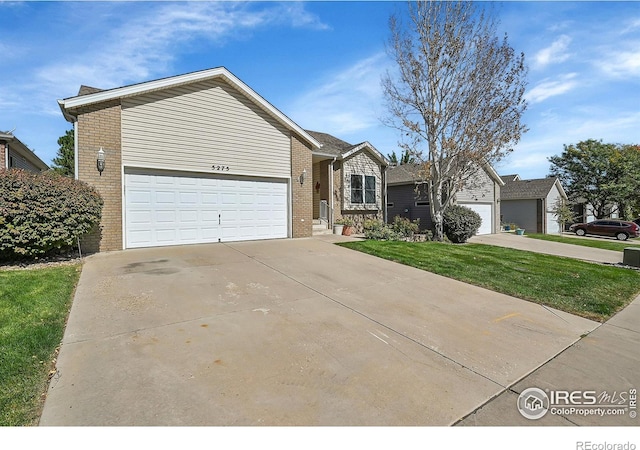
[359, 218]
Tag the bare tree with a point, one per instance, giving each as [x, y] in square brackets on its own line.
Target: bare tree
[457, 95]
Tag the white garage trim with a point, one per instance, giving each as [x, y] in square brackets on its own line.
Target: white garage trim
[486, 214]
[174, 208]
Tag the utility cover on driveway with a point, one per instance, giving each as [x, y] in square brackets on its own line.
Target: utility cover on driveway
[288, 332]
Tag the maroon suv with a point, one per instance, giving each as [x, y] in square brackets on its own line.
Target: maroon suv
[620, 229]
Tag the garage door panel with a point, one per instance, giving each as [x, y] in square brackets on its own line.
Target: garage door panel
[140, 197]
[164, 216]
[165, 197]
[164, 235]
[209, 198]
[165, 209]
[485, 211]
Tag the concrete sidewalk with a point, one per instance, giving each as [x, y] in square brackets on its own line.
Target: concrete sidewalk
[289, 332]
[511, 240]
[607, 360]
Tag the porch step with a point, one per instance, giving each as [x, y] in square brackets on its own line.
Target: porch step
[320, 227]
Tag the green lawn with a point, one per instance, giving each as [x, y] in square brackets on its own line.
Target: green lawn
[603, 243]
[590, 290]
[34, 305]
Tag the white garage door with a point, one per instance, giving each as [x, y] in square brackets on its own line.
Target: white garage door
[552, 223]
[485, 211]
[165, 209]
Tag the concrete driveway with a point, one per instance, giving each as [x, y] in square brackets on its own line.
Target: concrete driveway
[511, 240]
[289, 332]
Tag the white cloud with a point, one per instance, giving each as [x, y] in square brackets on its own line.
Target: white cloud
[301, 18]
[631, 26]
[551, 88]
[621, 127]
[621, 64]
[555, 53]
[144, 45]
[347, 102]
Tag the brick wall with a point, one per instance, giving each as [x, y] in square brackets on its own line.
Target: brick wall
[99, 126]
[316, 193]
[3, 152]
[301, 194]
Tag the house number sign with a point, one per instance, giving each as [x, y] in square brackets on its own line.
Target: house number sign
[220, 168]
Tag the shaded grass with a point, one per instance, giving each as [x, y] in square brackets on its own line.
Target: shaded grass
[586, 289]
[34, 305]
[604, 244]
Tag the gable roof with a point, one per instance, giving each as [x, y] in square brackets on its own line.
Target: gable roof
[89, 96]
[333, 146]
[403, 174]
[86, 90]
[507, 178]
[21, 149]
[530, 189]
[409, 174]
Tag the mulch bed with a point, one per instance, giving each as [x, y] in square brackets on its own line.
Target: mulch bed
[45, 261]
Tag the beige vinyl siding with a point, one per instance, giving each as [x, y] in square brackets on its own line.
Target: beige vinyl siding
[479, 188]
[195, 126]
[18, 162]
[361, 164]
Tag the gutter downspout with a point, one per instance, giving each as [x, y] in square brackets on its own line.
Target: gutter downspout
[384, 196]
[74, 120]
[331, 192]
[6, 155]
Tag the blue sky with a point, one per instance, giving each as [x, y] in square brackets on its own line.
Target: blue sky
[320, 63]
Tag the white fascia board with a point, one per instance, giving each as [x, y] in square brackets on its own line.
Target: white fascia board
[164, 83]
[372, 150]
[493, 174]
[326, 155]
[561, 190]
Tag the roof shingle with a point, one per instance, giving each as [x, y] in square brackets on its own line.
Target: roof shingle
[526, 189]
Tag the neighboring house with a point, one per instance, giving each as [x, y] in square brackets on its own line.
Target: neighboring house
[348, 181]
[15, 155]
[193, 158]
[407, 196]
[584, 212]
[530, 203]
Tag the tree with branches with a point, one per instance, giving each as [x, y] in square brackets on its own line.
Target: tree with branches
[604, 176]
[63, 163]
[405, 158]
[456, 96]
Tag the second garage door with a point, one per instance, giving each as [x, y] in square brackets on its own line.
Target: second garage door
[486, 214]
[169, 209]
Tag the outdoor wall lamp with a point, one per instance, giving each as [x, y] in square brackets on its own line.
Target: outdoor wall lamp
[303, 175]
[100, 161]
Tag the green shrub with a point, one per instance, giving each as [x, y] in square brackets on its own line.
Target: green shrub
[40, 213]
[460, 223]
[405, 227]
[379, 231]
[346, 221]
[401, 229]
